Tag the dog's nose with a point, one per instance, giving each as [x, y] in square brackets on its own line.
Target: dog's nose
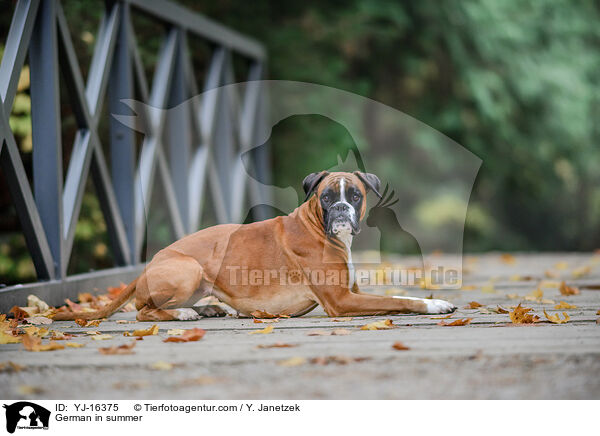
[340, 207]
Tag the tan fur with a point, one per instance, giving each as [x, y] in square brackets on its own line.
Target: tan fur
[196, 266]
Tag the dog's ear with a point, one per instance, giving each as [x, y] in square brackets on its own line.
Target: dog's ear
[371, 181]
[311, 182]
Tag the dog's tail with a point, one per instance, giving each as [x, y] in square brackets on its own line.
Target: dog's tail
[107, 310]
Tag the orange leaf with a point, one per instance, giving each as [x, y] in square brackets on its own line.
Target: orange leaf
[86, 323]
[555, 319]
[565, 305]
[568, 290]
[120, 349]
[73, 306]
[34, 343]
[263, 314]
[458, 322]
[191, 335]
[400, 346]
[277, 345]
[384, 324]
[521, 315]
[148, 332]
[474, 305]
[508, 259]
[116, 290]
[18, 313]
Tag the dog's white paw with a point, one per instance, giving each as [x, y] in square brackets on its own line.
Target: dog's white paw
[439, 306]
[187, 314]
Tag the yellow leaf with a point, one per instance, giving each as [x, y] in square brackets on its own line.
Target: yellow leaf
[581, 271]
[555, 319]
[148, 332]
[6, 338]
[488, 289]
[101, 337]
[266, 330]
[458, 322]
[521, 315]
[292, 361]
[547, 301]
[161, 365]
[175, 332]
[565, 305]
[551, 274]
[515, 278]
[508, 259]
[568, 290]
[561, 265]
[513, 296]
[74, 344]
[384, 324]
[549, 284]
[535, 295]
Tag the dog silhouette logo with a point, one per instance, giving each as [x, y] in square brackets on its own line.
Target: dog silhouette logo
[26, 415]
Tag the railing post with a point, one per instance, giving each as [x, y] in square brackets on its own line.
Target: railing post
[122, 138]
[45, 122]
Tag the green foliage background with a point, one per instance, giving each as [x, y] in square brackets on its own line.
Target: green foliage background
[517, 82]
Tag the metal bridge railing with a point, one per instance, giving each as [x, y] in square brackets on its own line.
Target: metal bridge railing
[187, 154]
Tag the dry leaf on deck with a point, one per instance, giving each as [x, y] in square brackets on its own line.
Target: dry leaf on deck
[266, 330]
[535, 295]
[384, 324]
[19, 313]
[175, 331]
[101, 337]
[36, 331]
[342, 319]
[555, 319]
[508, 259]
[113, 292]
[474, 305]
[568, 290]
[7, 338]
[442, 317]
[38, 320]
[277, 345]
[74, 344]
[60, 336]
[191, 335]
[561, 265]
[263, 314]
[521, 315]
[161, 365]
[340, 360]
[340, 332]
[565, 305]
[118, 349]
[551, 274]
[292, 361]
[580, 272]
[261, 321]
[147, 332]
[86, 323]
[10, 366]
[400, 346]
[124, 321]
[34, 343]
[34, 301]
[458, 322]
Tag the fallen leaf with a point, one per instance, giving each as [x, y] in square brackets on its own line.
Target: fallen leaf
[342, 319]
[113, 292]
[7, 338]
[319, 333]
[266, 330]
[73, 306]
[200, 381]
[147, 332]
[521, 315]
[92, 332]
[19, 313]
[38, 320]
[508, 259]
[513, 296]
[568, 290]
[175, 331]
[263, 314]
[118, 349]
[86, 323]
[101, 337]
[85, 297]
[340, 332]
[551, 274]
[535, 295]
[565, 305]
[74, 344]
[124, 321]
[473, 305]
[555, 319]
[191, 335]
[442, 317]
[29, 390]
[561, 265]
[384, 324]
[34, 343]
[10, 366]
[292, 361]
[60, 336]
[400, 346]
[484, 311]
[581, 271]
[598, 313]
[260, 321]
[36, 331]
[161, 365]
[468, 288]
[498, 309]
[549, 284]
[488, 289]
[458, 322]
[547, 301]
[34, 301]
[340, 360]
[276, 345]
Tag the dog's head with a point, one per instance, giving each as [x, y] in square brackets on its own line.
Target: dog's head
[341, 198]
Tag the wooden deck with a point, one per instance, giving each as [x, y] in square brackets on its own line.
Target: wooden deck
[489, 358]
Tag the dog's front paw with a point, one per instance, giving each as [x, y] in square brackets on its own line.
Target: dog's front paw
[187, 314]
[209, 311]
[439, 306]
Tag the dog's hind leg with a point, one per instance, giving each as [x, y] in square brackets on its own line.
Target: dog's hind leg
[166, 289]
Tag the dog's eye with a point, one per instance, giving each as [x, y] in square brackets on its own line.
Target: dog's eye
[325, 198]
[355, 197]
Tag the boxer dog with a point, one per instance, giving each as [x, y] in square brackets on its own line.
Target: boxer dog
[284, 266]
